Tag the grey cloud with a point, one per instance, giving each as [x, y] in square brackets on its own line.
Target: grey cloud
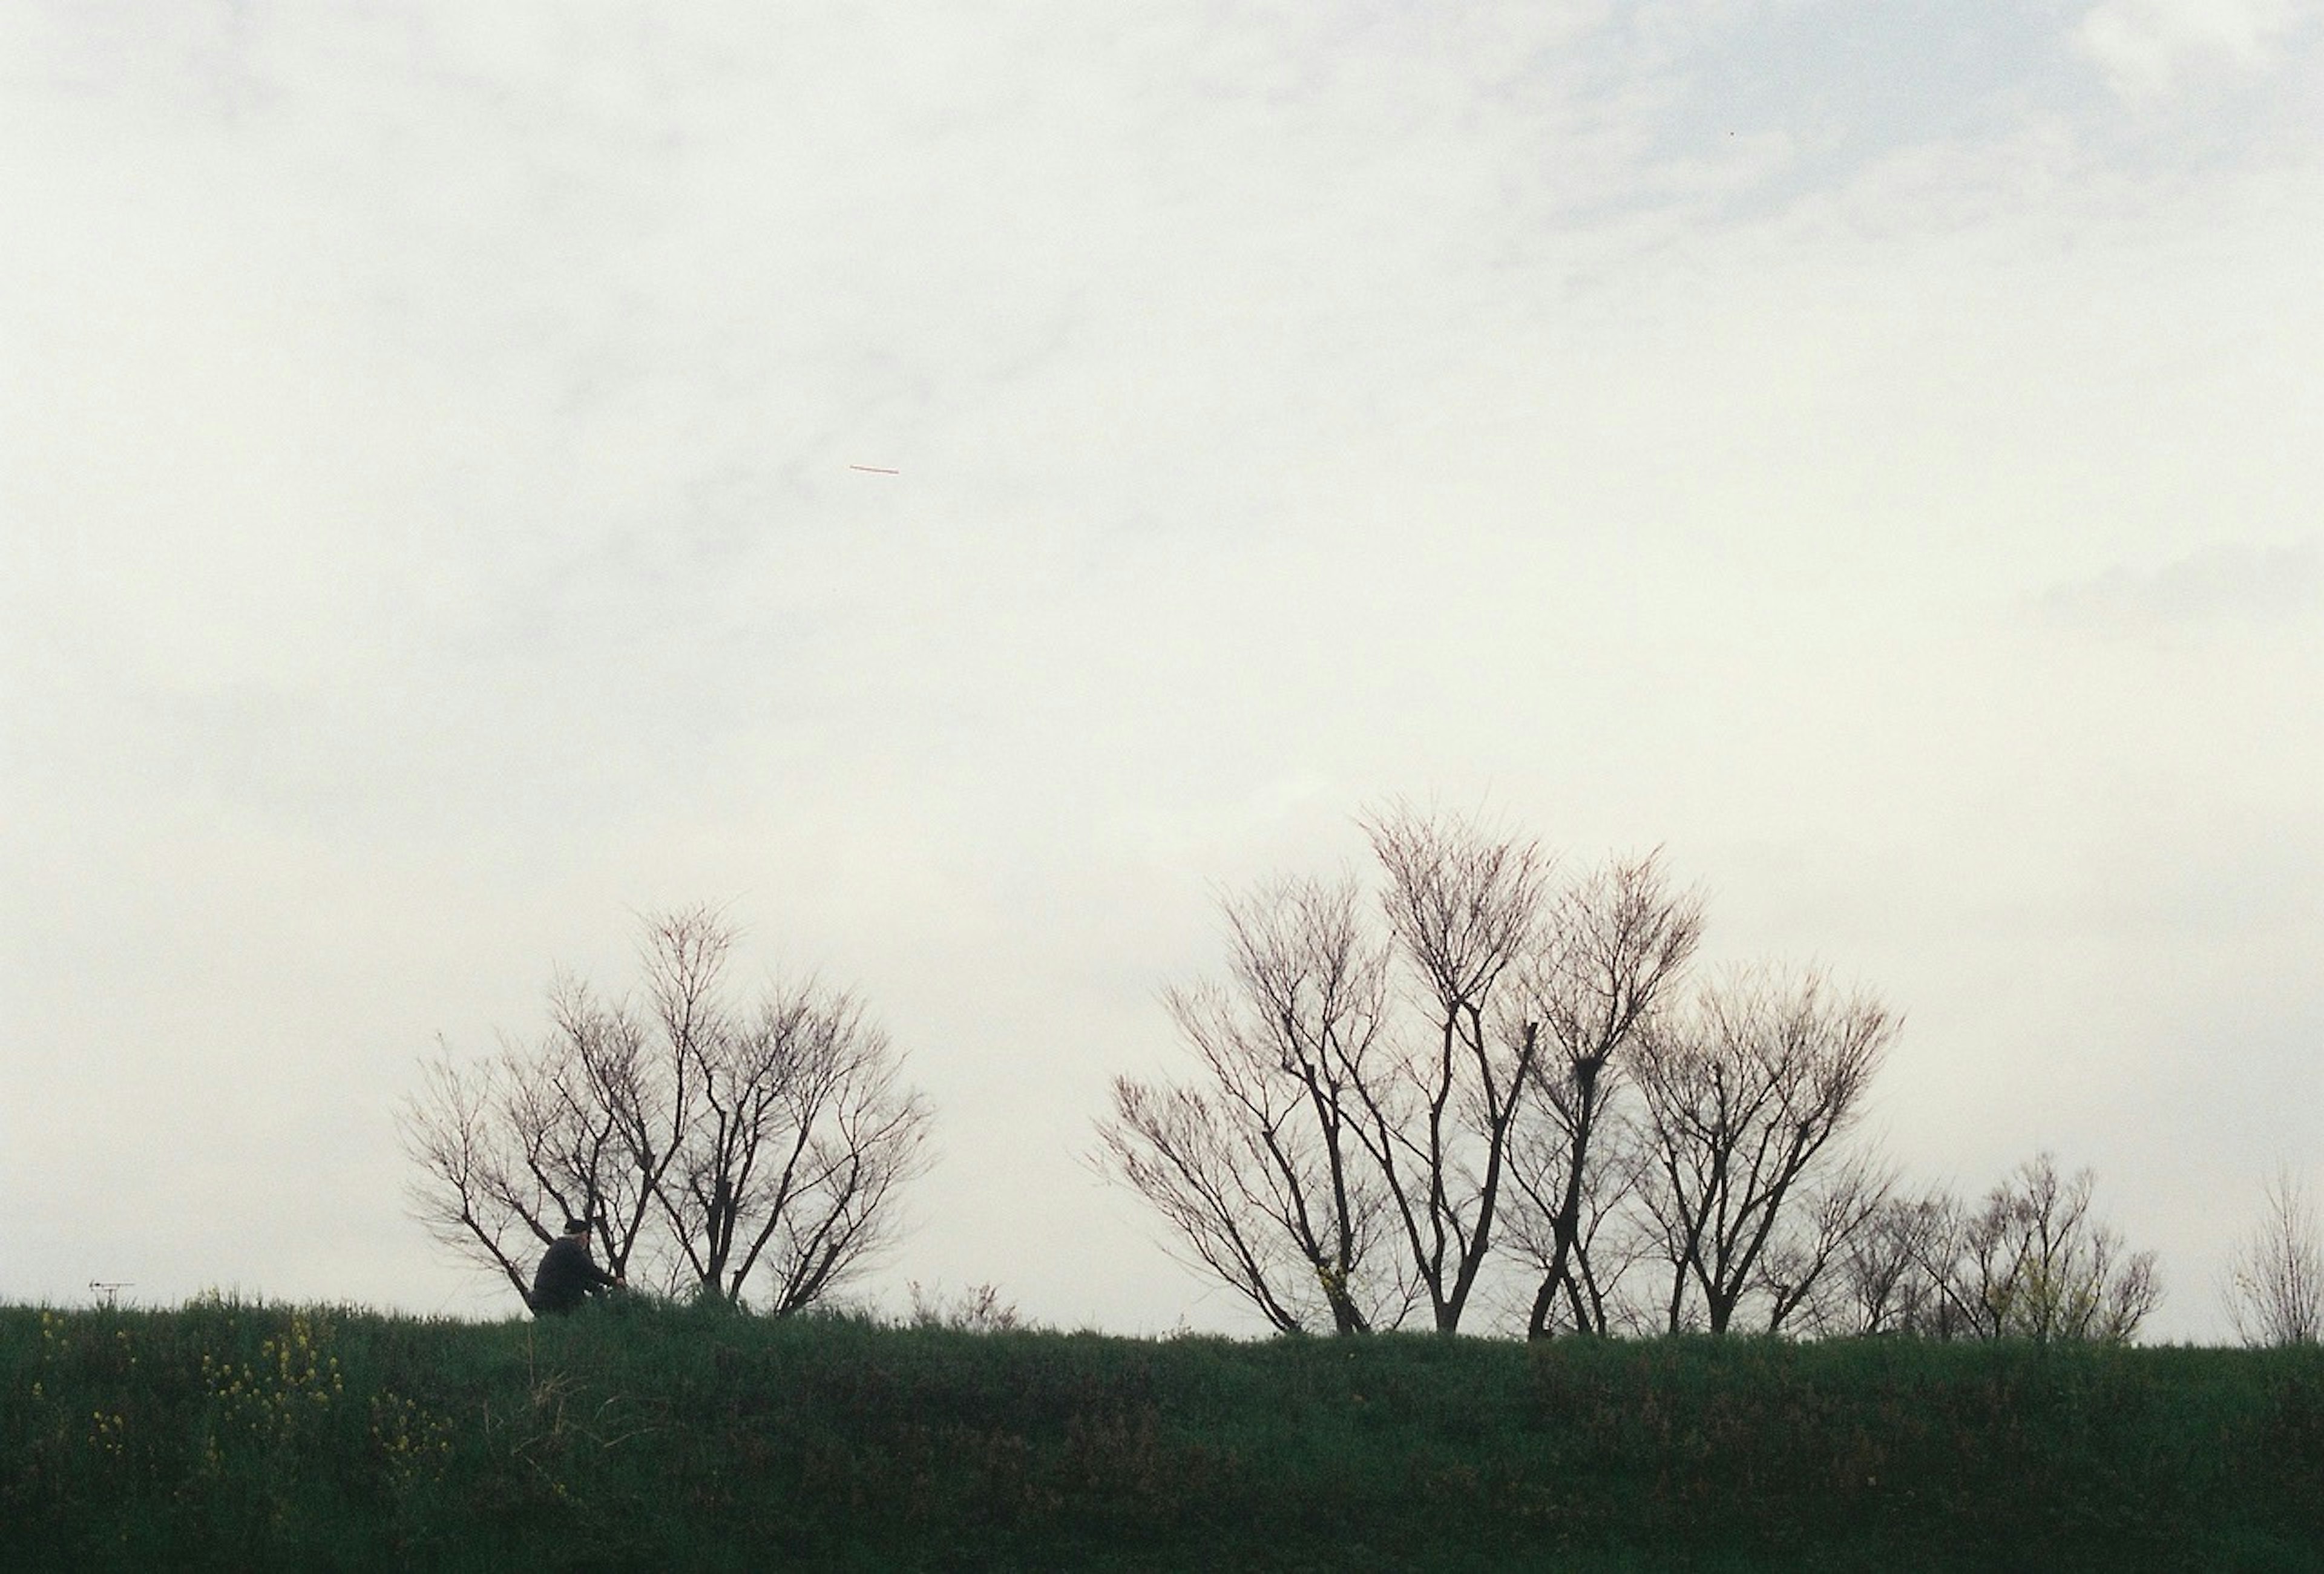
[2231, 583]
[430, 533]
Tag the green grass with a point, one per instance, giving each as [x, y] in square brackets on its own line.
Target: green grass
[234, 1435]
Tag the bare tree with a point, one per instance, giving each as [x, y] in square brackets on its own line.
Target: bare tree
[579, 1106]
[720, 1144]
[1343, 1151]
[1465, 908]
[2275, 1280]
[1889, 1273]
[1258, 1172]
[2033, 1263]
[457, 1131]
[1616, 942]
[799, 1135]
[1800, 1278]
[510, 1149]
[1606, 1245]
[1744, 1095]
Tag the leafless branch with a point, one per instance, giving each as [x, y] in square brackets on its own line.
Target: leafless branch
[1259, 1174]
[1465, 908]
[2275, 1280]
[1619, 940]
[721, 1144]
[1743, 1094]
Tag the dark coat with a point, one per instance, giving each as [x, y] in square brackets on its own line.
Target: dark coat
[567, 1277]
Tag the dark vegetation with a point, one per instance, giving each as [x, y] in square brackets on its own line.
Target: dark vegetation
[637, 1436]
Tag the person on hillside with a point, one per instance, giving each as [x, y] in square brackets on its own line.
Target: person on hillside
[568, 1275]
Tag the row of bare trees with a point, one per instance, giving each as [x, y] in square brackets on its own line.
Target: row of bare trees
[1478, 1079]
[2031, 1260]
[730, 1150]
[1483, 1071]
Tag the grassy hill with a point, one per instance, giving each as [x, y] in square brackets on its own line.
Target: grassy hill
[639, 1438]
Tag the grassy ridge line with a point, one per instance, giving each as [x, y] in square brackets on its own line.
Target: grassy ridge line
[317, 1438]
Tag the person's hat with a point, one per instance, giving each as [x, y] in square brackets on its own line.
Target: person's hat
[577, 1226]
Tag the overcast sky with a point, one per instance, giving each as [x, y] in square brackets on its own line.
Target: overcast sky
[1868, 449]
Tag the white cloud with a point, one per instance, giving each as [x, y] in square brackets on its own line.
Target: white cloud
[2145, 46]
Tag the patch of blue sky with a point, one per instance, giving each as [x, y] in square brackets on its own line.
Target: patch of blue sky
[1809, 93]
